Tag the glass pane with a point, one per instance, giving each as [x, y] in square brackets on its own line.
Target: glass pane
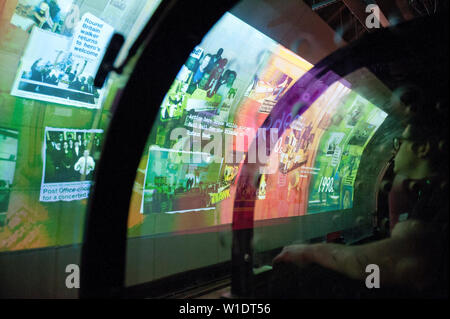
[182, 202]
[186, 182]
[318, 165]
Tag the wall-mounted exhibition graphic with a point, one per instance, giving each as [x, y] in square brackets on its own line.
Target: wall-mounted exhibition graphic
[63, 70]
[172, 185]
[203, 86]
[76, 36]
[220, 93]
[8, 158]
[286, 190]
[47, 15]
[339, 153]
[319, 155]
[69, 161]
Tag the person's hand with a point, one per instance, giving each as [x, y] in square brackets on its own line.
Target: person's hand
[299, 255]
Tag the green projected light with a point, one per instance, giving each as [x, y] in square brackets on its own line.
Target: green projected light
[224, 92]
[52, 118]
[338, 156]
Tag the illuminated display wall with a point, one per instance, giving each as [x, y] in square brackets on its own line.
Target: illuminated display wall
[220, 97]
[339, 153]
[51, 117]
[318, 156]
[53, 120]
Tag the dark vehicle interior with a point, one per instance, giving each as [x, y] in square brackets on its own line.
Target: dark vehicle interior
[171, 149]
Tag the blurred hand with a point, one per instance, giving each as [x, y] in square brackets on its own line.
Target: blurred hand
[299, 255]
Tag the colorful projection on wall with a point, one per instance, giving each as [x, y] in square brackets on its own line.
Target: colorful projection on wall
[221, 96]
[50, 114]
[339, 153]
[319, 155]
[218, 100]
[63, 70]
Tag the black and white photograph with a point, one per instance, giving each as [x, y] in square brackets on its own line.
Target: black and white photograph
[69, 161]
[60, 72]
